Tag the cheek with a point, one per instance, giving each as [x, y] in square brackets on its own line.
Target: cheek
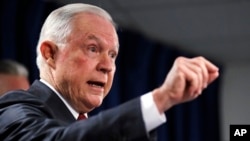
[73, 60]
[24, 84]
[70, 57]
[109, 83]
[76, 72]
[74, 64]
[19, 84]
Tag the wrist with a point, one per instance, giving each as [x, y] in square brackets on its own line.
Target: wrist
[161, 100]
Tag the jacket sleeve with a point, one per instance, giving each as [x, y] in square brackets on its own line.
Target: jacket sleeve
[25, 121]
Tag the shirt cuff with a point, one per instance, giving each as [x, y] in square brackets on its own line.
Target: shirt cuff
[151, 116]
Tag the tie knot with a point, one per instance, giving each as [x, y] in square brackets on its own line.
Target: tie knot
[81, 116]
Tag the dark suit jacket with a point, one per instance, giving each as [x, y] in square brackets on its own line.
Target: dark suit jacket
[39, 114]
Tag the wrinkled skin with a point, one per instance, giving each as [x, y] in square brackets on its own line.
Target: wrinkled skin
[83, 70]
[186, 80]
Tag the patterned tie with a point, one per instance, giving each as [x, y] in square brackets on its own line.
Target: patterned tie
[81, 116]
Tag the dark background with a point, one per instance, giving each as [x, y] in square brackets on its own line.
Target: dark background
[141, 66]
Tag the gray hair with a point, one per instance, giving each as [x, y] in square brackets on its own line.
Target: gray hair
[11, 67]
[57, 25]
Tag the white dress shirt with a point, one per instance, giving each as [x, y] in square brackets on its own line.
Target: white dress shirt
[151, 116]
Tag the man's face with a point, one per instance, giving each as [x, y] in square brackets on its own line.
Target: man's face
[85, 67]
[10, 82]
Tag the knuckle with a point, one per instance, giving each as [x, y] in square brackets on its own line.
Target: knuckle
[200, 58]
[199, 70]
[180, 60]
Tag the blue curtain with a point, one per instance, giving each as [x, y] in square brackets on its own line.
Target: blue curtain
[20, 24]
[142, 65]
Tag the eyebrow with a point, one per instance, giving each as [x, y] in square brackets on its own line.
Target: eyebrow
[93, 37]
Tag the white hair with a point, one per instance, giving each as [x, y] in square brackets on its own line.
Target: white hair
[58, 24]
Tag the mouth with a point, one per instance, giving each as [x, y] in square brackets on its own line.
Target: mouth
[97, 84]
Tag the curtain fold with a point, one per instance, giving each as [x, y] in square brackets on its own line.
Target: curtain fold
[142, 65]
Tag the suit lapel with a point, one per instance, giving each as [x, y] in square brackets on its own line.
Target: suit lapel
[56, 106]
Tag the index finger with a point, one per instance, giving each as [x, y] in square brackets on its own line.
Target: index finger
[211, 68]
[213, 71]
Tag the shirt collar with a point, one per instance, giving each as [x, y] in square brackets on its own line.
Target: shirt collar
[73, 111]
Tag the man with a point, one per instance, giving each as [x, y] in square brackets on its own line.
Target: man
[13, 76]
[76, 51]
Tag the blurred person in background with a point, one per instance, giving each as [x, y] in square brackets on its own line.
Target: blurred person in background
[13, 76]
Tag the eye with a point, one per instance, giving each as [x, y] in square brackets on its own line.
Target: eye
[113, 55]
[93, 49]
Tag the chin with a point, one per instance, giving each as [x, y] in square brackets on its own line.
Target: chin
[96, 102]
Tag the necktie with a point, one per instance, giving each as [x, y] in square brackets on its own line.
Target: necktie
[81, 116]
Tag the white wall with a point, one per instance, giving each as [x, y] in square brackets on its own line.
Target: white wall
[235, 97]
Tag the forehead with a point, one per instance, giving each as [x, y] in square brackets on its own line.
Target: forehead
[88, 23]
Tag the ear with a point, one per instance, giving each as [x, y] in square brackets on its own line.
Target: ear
[48, 50]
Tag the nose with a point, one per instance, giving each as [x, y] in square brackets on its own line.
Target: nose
[106, 64]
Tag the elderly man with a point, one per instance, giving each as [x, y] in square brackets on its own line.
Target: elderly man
[76, 56]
